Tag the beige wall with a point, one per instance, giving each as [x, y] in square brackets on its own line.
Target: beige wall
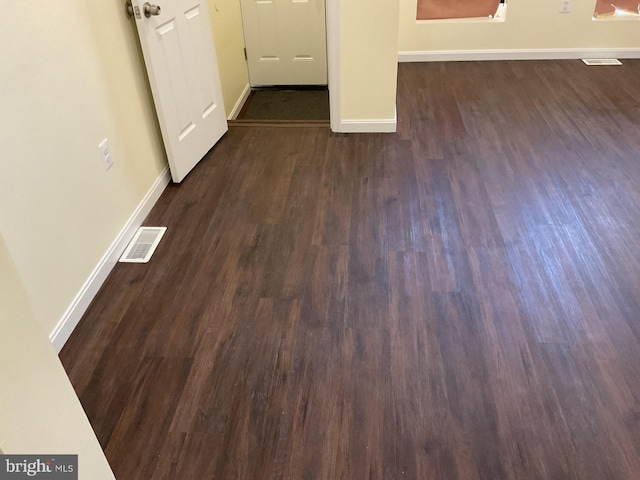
[227, 31]
[368, 59]
[529, 25]
[70, 76]
[40, 411]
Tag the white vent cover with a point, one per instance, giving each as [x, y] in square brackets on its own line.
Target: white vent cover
[143, 245]
[601, 61]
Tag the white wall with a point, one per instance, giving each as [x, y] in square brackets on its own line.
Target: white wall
[529, 25]
[40, 411]
[71, 75]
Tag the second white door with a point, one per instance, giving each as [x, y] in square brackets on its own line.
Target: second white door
[285, 41]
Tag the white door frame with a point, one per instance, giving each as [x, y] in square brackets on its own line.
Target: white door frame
[333, 63]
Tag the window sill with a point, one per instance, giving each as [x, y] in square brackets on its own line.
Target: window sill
[616, 17]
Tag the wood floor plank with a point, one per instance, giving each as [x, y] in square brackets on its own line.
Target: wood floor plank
[333, 215]
[458, 300]
[160, 379]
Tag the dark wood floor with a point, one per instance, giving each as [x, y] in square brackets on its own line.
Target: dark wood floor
[460, 300]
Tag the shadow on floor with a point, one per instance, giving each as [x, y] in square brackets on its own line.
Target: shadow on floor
[270, 104]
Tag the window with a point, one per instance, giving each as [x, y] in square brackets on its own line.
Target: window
[616, 8]
[443, 9]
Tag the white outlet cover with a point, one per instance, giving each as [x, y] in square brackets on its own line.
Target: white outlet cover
[105, 154]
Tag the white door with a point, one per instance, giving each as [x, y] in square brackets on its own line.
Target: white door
[177, 43]
[286, 41]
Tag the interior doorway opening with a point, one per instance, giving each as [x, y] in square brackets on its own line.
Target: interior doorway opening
[286, 52]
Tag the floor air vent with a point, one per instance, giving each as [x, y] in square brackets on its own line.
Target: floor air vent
[143, 245]
[601, 61]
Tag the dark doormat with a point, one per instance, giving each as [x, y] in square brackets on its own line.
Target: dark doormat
[286, 105]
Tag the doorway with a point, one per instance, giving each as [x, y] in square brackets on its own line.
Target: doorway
[286, 52]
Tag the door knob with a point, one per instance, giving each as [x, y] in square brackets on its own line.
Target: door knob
[149, 9]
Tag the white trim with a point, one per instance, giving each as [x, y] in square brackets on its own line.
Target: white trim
[378, 125]
[240, 103]
[332, 15]
[80, 303]
[518, 54]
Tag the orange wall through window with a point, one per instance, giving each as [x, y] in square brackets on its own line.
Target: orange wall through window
[440, 9]
[608, 7]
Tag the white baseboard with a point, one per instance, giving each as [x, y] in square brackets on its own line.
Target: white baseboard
[382, 125]
[80, 303]
[240, 103]
[521, 54]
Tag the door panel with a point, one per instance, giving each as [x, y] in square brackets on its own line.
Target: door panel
[285, 41]
[183, 73]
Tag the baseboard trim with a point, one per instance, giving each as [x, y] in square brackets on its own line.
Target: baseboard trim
[80, 303]
[518, 54]
[382, 125]
[240, 103]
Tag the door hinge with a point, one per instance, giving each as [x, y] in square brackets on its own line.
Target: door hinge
[245, 53]
[131, 10]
